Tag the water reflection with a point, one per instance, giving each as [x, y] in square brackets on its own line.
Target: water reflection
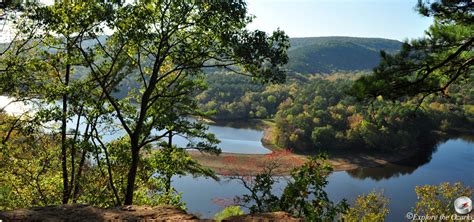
[398, 181]
[380, 173]
[243, 124]
[394, 170]
[424, 153]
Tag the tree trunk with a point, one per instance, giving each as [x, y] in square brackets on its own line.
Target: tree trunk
[109, 169]
[73, 151]
[168, 175]
[132, 173]
[168, 183]
[75, 186]
[63, 140]
[78, 177]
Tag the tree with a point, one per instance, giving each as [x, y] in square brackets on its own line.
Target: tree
[170, 161]
[162, 46]
[303, 196]
[145, 73]
[228, 212]
[431, 64]
[30, 172]
[435, 200]
[64, 27]
[42, 64]
[370, 207]
[47, 73]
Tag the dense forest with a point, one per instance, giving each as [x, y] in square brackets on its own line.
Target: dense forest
[329, 54]
[234, 97]
[318, 112]
[317, 108]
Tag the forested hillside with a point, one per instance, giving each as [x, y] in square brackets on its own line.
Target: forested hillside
[324, 54]
[329, 54]
[314, 109]
[315, 112]
[235, 97]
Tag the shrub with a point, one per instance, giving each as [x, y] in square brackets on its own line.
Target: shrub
[370, 207]
[436, 200]
[228, 212]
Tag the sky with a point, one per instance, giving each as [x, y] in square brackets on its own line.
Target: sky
[392, 19]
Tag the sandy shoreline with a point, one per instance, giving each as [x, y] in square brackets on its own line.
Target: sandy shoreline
[251, 164]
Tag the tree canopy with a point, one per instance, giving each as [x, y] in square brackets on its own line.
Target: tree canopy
[82, 53]
[431, 64]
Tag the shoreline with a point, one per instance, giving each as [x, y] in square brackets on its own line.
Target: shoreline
[230, 164]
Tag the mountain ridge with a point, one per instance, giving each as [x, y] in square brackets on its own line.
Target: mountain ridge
[327, 54]
[309, 55]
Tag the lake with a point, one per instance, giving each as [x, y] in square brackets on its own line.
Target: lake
[235, 137]
[449, 161]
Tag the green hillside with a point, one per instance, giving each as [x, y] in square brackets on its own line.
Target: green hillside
[328, 54]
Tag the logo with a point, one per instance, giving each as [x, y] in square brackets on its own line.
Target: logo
[463, 205]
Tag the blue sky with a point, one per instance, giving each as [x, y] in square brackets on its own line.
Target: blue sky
[392, 19]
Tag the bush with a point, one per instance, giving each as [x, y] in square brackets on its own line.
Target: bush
[228, 212]
[370, 207]
[436, 200]
[304, 196]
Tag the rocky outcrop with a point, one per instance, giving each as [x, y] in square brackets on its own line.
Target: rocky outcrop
[82, 212]
[73, 212]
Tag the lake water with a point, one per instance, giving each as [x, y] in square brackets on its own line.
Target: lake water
[235, 137]
[240, 138]
[449, 161]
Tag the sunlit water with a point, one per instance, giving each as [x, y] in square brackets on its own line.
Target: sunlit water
[240, 138]
[452, 161]
[245, 139]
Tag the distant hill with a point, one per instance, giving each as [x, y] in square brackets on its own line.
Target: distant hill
[328, 54]
[325, 54]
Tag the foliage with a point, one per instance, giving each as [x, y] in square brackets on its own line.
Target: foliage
[304, 195]
[166, 163]
[228, 212]
[431, 64]
[321, 116]
[159, 49]
[232, 97]
[30, 173]
[39, 66]
[370, 207]
[435, 200]
[335, 54]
